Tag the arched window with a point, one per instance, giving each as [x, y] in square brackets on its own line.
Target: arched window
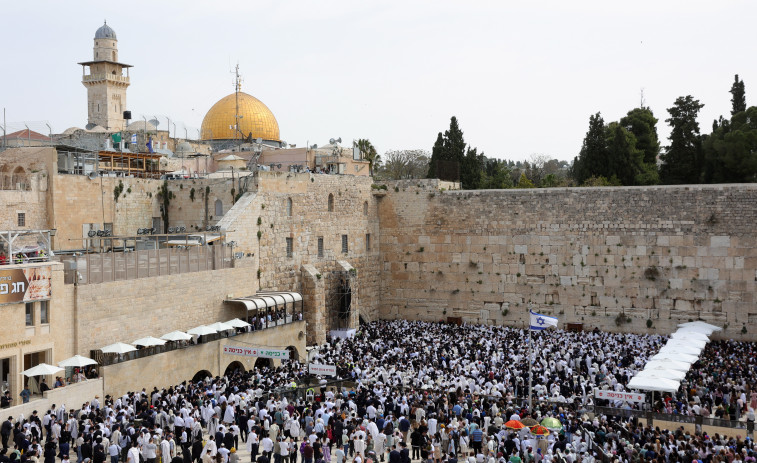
[365, 208]
[331, 202]
[19, 179]
[219, 208]
[289, 207]
[6, 178]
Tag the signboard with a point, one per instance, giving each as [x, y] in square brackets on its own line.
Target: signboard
[25, 285]
[257, 352]
[322, 370]
[633, 397]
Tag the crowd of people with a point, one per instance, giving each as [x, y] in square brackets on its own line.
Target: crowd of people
[419, 391]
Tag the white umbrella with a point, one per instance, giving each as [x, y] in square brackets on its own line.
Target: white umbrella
[668, 364]
[118, 348]
[662, 373]
[221, 326]
[653, 384]
[237, 323]
[77, 361]
[41, 370]
[678, 357]
[176, 336]
[680, 349]
[202, 330]
[149, 341]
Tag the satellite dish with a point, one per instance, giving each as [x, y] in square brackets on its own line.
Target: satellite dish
[314, 147]
[154, 122]
[92, 175]
[331, 141]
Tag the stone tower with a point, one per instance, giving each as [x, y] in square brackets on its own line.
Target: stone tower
[106, 83]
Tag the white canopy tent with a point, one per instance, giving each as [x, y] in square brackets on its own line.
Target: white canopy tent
[675, 375]
[701, 324]
[678, 357]
[668, 364]
[653, 384]
[681, 349]
[687, 335]
[687, 342]
[696, 329]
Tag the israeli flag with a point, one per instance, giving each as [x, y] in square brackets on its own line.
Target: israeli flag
[134, 139]
[540, 322]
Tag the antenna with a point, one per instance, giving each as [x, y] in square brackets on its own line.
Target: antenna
[642, 102]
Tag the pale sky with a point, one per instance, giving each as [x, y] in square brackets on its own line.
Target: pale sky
[521, 77]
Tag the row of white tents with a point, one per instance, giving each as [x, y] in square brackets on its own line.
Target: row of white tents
[665, 370]
[78, 361]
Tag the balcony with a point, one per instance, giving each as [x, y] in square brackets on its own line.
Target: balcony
[105, 77]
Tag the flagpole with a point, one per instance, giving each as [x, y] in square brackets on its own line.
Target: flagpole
[530, 362]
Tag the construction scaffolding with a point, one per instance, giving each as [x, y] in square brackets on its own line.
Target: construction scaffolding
[340, 292]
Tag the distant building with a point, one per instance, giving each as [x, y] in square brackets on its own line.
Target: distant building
[24, 137]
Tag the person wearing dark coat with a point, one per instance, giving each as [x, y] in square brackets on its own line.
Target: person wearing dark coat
[197, 450]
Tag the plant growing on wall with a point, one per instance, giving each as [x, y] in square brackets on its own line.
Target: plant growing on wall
[192, 194]
[117, 190]
[165, 196]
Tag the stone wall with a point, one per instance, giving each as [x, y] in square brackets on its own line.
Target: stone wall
[636, 259]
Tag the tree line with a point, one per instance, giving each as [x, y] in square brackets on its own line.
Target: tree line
[624, 152]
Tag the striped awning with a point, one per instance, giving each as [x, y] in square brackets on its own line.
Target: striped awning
[266, 299]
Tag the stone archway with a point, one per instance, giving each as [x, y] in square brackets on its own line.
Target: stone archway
[201, 375]
[233, 367]
[261, 363]
[294, 354]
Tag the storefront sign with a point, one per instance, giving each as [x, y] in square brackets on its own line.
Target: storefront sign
[322, 370]
[633, 397]
[257, 352]
[25, 285]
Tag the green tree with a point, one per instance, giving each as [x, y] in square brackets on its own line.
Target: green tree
[524, 182]
[738, 96]
[448, 147]
[472, 169]
[643, 125]
[496, 175]
[731, 150]
[592, 160]
[399, 164]
[368, 152]
[624, 160]
[682, 160]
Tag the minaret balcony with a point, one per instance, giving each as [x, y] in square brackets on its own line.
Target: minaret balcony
[105, 77]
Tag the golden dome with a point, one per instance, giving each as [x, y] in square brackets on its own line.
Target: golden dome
[255, 117]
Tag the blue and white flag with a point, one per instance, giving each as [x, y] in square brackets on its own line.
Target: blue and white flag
[134, 139]
[540, 322]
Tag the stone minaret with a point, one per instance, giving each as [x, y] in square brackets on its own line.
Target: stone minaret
[106, 83]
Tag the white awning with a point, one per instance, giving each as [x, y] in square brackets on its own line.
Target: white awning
[268, 299]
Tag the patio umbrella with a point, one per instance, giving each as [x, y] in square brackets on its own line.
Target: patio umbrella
[77, 361]
[529, 422]
[118, 348]
[149, 341]
[540, 430]
[553, 424]
[202, 330]
[221, 326]
[237, 323]
[514, 424]
[176, 336]
[41, 370]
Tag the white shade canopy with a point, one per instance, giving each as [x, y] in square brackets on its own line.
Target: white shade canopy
[41, 370]
[678, 357]
[653, 384]
[689, 335]
[237, 323]
[701, 324]
[688, 342]
[202, 330]
[118, 348]
[668, 364]
[176, 336]
[696, 329]
[221, 326]
[77, 361]
[149, 341]
[675, 375]
[681, 349]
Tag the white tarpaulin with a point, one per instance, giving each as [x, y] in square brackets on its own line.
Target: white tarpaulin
[653, 384]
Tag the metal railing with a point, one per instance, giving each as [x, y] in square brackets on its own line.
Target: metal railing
[94, 268]
[675, 418]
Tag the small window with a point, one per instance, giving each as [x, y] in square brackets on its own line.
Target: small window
[320, 246]
[344, 244]
[365, 208]
[29, 314]
[21, 219]
[367, 241]
[331, 202]
[44, 313]
[289, 247]
[219, 208]
[289, 207]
